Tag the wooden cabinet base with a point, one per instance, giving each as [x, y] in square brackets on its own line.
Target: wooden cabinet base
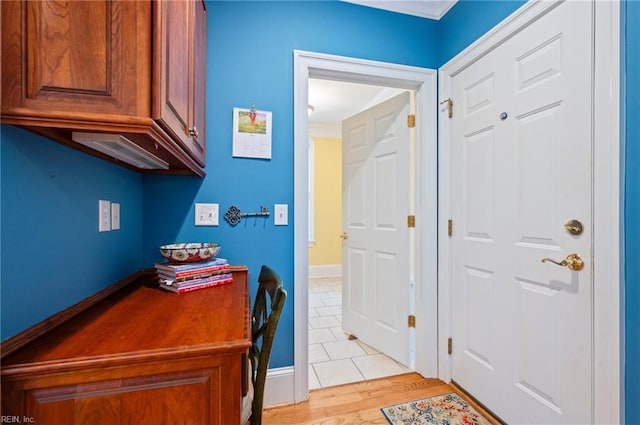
[187, 370]
[191, 396]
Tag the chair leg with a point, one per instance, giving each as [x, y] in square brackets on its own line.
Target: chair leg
[256, 419]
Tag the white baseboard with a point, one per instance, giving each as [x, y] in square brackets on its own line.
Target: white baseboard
[325, 270]
[279, 388]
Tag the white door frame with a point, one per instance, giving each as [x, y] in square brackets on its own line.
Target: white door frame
[607, 367]
[423, 81]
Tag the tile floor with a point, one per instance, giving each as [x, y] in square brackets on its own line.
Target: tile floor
[333, 358]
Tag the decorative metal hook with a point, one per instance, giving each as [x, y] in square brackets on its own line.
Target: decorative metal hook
[234, 215]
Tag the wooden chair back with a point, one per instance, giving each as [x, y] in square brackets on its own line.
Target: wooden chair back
[265, 320]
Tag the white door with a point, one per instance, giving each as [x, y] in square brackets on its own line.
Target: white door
[375, 252]
[522, 143]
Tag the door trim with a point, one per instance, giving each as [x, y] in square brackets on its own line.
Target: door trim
[423, 81]
[607, 351]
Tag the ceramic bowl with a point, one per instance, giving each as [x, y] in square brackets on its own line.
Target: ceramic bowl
[189, 252]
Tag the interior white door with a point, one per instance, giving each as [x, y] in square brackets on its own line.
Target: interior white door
[375, 252]
[522, 146]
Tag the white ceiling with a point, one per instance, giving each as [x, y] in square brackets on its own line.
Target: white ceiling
[334, 100]
[432, 9]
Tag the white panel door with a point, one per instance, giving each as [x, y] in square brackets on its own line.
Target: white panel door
[522, 143]
[375, 252]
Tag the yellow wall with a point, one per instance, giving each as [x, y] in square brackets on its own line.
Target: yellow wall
[328, 203]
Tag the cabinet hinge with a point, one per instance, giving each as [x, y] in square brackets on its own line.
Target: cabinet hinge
[450, 227]
[449, 103]
[411, 121]
[411, 322]
[411, 221]
[450, 346]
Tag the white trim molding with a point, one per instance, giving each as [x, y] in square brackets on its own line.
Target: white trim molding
[278, 388]
[423, 82]
[607, 350]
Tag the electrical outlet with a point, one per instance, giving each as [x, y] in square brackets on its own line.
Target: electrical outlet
[281, 214]
[115, 216]
[104, 216]
[206, 214]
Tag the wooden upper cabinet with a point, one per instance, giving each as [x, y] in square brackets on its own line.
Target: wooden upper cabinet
[109, 69]
[179, 68]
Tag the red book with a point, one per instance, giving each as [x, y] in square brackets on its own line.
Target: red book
[191, 272]
[162, 275]
[189, 288]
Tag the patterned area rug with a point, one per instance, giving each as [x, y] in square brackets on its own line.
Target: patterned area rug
[447, 409]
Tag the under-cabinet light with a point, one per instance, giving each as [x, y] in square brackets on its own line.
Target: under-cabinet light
[120, 147]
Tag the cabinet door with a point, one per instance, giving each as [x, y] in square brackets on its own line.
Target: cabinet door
[187, 397]
[75, 60]
[175, 72]
[200, 86]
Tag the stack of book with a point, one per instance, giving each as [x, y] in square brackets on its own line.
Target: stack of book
[192, 276]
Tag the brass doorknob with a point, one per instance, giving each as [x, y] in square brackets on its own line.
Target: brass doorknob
[573, 261]
[344, 236]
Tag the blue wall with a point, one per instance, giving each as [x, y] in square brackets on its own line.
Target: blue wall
[467, 21]
[50, 264]
[250, 59]
[52, 253]
[631, 24]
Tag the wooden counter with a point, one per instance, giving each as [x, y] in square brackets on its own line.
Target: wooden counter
[141, 356]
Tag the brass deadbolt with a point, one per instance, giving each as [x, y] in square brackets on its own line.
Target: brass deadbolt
[574, 227]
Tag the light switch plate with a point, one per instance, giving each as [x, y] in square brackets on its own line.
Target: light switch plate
[281, 214]
[115, 216]
[206, 214]
[104, 216]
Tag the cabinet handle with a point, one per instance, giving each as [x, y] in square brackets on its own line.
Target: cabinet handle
[193, 131]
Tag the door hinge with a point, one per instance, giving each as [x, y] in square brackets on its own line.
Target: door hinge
[411, 121]
[411, 221]
[411, 322]
[449, 103]
[450, 227]
[450, 346]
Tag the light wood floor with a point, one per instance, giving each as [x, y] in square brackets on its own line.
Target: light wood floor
[360, 403]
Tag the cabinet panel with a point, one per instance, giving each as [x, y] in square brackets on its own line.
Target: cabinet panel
[200, 85]
[70, 48]
[183, 397]
[175, 18]
[81, 60]
[179, 59]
